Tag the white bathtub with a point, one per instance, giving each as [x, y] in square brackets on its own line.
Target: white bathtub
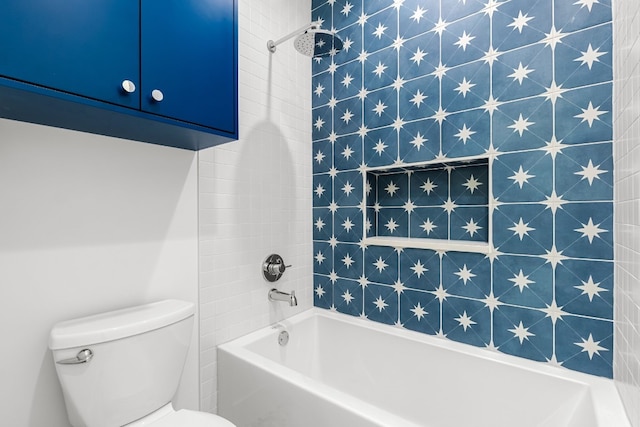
[339, 371]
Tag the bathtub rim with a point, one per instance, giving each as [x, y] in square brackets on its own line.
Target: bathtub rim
[608, 407]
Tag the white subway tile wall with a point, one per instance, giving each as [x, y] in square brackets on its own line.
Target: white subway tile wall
[255, 194]
[627, 203]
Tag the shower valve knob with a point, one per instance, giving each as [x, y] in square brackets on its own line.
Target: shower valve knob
[277, 268]
[273, 267]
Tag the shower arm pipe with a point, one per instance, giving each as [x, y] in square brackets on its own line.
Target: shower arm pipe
[271, 45]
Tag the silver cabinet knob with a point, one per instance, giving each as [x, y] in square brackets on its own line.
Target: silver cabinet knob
[157, 95]
[128, 86]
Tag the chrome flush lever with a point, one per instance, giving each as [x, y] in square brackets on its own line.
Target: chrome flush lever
[273, 267]
[83, 356]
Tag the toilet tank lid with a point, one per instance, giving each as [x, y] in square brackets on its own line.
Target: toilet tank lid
[118, 324]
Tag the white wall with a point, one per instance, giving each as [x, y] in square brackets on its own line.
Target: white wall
[627, 203]
[87, 223]
[255, 194]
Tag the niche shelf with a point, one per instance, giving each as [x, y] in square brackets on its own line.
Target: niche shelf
[436, 205]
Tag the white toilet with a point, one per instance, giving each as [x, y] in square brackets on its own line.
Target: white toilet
[123, 367]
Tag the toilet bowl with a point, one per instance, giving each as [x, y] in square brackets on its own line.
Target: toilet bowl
[122, 368]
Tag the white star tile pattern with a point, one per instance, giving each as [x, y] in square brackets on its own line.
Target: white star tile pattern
[525, 84]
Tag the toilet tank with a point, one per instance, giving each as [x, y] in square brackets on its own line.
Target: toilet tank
[138, 358]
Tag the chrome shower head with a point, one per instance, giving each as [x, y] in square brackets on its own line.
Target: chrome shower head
[317, 43]
[311, 41]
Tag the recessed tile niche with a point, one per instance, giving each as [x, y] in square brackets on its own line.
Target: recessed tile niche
[441, 206]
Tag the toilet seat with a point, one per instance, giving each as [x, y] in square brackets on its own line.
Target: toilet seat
[169, 417]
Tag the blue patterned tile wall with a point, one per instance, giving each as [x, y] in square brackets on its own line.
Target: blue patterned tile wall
[524, 83]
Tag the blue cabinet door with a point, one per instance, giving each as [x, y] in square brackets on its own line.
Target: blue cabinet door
[189, 54]
[81, 47]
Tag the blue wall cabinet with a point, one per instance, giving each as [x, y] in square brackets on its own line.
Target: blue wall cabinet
[158, 71]
[175, 34]
[63, 46]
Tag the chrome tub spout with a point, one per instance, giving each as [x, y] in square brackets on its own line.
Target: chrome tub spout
[276, 295]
